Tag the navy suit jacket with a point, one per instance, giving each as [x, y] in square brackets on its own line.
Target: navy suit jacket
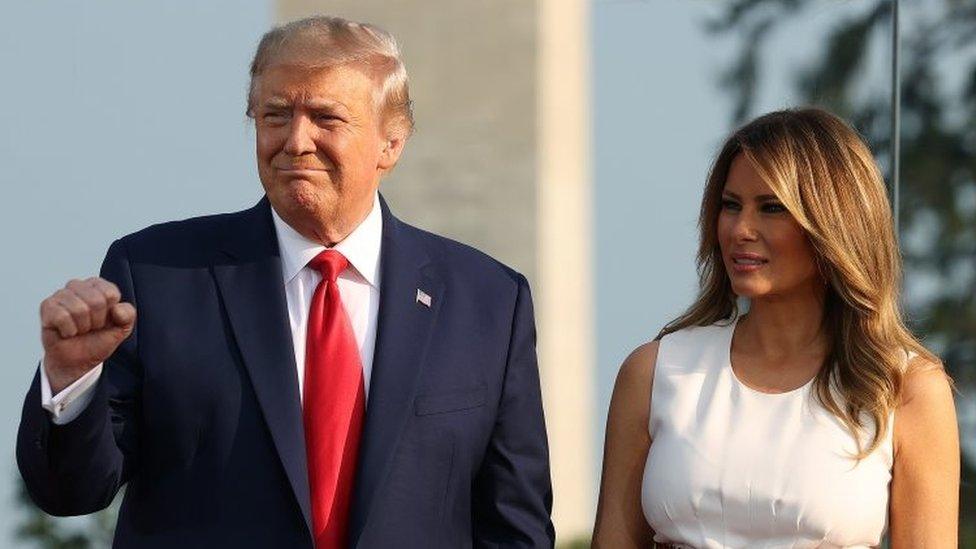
[198, 412]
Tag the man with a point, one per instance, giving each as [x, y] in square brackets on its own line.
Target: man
[308, 372]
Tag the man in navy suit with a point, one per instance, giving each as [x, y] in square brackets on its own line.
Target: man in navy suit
[311, 372]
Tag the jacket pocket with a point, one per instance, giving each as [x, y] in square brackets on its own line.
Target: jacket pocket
[453, 401]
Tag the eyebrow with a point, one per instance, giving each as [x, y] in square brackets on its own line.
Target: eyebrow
[312, 104]
[276, 103]
[760, 198]
[325, 105]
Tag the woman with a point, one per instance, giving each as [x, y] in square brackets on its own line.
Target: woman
[815, 418]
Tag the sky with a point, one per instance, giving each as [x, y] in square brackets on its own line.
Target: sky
[115, 115]
[124, 114]
[660, 116]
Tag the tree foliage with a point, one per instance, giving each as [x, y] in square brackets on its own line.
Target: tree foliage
[938, 141]
[938, 138]
[40, 530]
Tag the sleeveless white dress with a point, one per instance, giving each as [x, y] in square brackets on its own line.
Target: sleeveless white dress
[730, 466]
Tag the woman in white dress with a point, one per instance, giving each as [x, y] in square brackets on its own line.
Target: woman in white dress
[815, 419]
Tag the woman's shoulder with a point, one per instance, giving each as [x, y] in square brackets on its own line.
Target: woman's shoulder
[636, 373]
[925, 382]
[696, 333]
[694, 345]
[638, 368]
[630, 403]
[925, 403]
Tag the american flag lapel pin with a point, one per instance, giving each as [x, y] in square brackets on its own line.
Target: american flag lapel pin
[423, 298]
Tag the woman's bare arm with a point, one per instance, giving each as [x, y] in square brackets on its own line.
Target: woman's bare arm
[925, 482]
[620, 522]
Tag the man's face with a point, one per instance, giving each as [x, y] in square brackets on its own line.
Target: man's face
[321, 146]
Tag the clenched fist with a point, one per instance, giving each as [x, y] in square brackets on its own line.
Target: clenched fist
[81, 325]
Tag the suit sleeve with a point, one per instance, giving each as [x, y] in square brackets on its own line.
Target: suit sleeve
[77, 468]
[512, 494]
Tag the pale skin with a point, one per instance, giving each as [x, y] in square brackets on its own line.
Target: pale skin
[778, 347]
[322, 146]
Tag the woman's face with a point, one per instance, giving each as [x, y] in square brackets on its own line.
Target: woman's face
[765, 251]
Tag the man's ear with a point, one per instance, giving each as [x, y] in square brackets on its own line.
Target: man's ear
[392, 147]
[390, 153]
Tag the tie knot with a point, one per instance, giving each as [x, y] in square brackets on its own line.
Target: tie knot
[329, 263]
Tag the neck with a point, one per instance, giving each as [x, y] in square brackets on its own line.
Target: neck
[784, 326]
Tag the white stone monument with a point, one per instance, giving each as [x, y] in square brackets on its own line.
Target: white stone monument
[501, 160]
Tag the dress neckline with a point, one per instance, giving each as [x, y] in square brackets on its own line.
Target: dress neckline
[730, 334]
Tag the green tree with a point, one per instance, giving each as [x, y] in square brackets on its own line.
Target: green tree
[40, 530]
[938, 145]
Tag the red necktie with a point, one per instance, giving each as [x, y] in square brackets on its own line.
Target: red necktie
[334, 405]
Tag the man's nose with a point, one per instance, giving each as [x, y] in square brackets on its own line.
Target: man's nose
[300, 136]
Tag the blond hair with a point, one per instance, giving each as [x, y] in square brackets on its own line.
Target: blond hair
[324, 41]
[825, 176]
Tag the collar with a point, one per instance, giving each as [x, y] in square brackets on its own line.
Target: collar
[361, 247]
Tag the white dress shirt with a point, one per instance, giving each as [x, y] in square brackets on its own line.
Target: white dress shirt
[359, 287]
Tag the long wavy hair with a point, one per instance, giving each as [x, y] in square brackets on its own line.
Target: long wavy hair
[825, 176]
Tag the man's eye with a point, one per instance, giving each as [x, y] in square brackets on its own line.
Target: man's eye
[328, 118]
[274, 117]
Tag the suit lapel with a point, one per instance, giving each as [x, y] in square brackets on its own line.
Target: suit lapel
[248, 275]
[403, 333]
[250, 282]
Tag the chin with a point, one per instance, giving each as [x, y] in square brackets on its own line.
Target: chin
[305, 195]
[750, 291]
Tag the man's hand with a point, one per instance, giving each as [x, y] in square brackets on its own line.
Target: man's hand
[81, 325]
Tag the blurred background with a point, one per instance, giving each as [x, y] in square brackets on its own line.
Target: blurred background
[568, 138]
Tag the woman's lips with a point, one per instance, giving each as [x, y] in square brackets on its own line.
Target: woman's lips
[747, 262]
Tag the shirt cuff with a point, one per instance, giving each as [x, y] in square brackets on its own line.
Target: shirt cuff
[73, 399]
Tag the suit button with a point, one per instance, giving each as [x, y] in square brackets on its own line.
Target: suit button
[38, 443]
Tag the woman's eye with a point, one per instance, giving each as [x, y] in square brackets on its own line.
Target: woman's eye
[730, 205]
[773, 207]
